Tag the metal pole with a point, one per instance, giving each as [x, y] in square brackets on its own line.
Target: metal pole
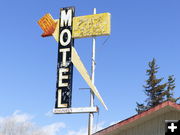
[91, 115]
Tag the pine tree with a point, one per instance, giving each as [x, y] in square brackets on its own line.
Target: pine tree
[170, 89]
[153, 89]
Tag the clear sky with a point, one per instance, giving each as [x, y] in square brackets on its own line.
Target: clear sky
[141, 30]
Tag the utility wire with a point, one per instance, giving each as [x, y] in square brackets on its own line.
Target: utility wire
[104, 42]
[102, 45]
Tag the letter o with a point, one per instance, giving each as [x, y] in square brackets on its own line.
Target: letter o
[68, 37]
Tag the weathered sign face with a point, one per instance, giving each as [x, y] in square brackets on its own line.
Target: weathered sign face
[91, 25]
[64, 31]
[65, 66]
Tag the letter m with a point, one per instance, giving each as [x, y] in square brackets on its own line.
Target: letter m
[66, 17]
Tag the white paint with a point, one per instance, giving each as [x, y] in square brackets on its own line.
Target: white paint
[59, 103]
[68, 37]
[64, 54]
[61, 77]
[66, 18]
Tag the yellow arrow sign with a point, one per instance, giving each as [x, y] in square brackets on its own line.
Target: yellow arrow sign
[82, 70]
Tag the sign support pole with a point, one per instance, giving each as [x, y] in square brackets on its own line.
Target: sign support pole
[91, 114]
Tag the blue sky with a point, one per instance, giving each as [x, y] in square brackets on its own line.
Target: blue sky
[141, 30]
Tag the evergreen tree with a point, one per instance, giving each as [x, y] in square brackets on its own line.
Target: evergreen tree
[170, 89]
[153, 89]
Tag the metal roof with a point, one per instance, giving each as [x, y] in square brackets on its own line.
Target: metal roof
[146, 115]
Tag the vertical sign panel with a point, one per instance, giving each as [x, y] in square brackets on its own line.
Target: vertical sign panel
[65, 66]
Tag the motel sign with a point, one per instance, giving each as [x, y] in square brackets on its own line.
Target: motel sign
[65, 66]
[65, 30]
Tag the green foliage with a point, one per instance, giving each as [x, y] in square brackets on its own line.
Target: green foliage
[153, 89]
[170, 89]
[156, 91]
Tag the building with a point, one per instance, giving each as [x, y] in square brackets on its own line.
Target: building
[150, 122]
